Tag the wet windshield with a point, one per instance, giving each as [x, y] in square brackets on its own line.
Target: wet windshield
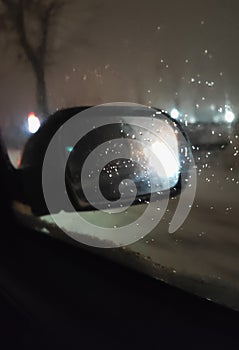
[179, 57]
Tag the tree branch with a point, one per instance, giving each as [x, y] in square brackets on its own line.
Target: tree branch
[44, 22]
[23, 38]
[46, 17]
[16, 10]
[40, 14]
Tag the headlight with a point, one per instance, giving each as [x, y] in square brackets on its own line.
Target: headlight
[33, 123]
[174, 113]
[229, 116]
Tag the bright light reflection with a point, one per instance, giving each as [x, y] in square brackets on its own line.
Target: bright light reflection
[174, 113]
[33, 123]
[229, 116]
[168, 159]
[69, 148]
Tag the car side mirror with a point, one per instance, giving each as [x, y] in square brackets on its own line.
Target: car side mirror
[106, 158]
[133, 154]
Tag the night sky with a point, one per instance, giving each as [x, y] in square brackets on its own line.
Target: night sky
[152, 52]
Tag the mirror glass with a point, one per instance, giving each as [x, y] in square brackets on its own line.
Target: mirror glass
[143, 158]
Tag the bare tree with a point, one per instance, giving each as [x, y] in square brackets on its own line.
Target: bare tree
[30, 23]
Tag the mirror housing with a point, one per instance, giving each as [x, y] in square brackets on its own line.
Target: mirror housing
[139, 167]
